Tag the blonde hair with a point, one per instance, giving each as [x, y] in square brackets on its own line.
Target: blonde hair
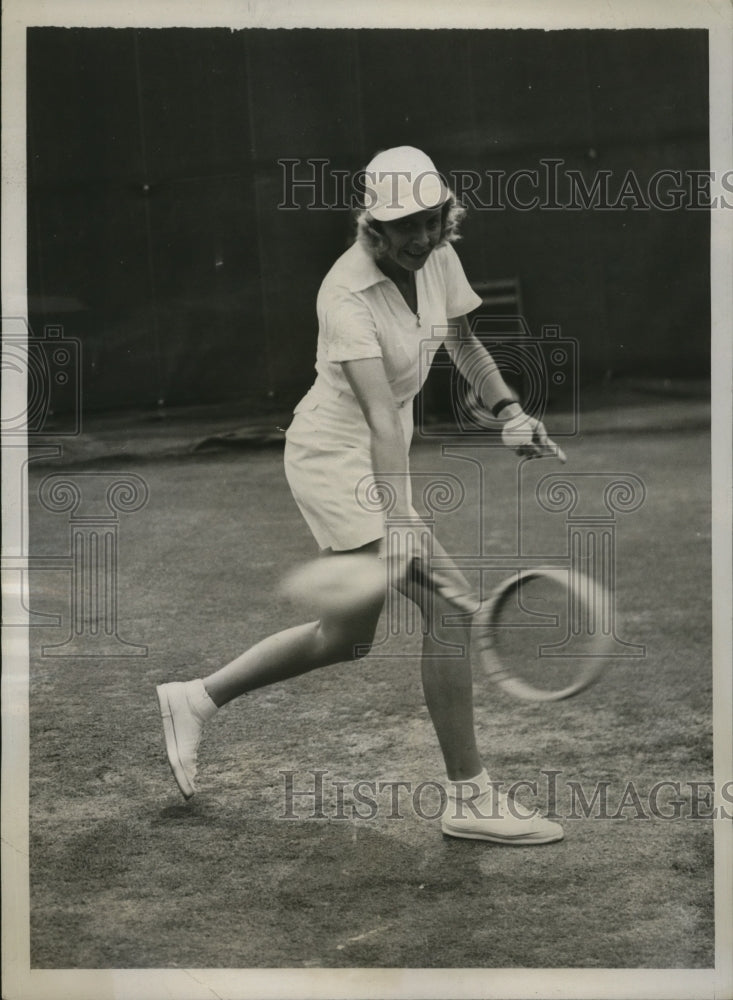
[371, 236]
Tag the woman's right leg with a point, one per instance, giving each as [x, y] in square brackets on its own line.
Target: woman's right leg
[294, 651]
[186, 707]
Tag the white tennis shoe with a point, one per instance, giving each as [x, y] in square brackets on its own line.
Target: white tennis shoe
[494, 817]
[183, 726]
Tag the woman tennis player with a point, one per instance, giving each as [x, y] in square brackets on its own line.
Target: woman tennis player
[400, 280]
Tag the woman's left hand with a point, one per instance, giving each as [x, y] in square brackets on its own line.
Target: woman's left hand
[528, 437]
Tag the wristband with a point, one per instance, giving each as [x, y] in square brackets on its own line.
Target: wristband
[498, 407]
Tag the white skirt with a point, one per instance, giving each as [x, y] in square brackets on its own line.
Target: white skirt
[328, 466]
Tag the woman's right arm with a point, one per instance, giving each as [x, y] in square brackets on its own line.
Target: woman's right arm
[368, 381]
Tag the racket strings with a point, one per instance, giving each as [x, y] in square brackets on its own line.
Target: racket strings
[523, 636]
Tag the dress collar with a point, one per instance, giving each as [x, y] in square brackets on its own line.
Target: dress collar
[362, 270]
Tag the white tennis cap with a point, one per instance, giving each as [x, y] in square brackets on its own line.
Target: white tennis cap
[402, 181]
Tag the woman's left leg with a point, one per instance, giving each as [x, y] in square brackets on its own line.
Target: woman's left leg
[448, 687]
[474, 809]
[446, 669]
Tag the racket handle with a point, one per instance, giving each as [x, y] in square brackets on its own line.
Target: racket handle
[449, 586]
[549, 450]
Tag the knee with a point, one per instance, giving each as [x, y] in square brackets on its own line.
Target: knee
[345, 647]
[345, 638]
[353, 649]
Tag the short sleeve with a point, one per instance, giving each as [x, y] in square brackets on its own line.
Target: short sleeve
[460, 298]
[348, 329]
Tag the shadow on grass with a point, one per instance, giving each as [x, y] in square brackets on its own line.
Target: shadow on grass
[204, 884]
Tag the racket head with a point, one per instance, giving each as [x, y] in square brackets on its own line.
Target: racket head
[490, 630]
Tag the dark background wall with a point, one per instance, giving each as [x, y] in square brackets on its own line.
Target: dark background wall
[154, 229]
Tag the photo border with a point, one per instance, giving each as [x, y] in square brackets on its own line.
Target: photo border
[146, 984]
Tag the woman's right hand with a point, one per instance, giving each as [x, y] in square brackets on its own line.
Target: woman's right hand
[408, 542]
[406, 539]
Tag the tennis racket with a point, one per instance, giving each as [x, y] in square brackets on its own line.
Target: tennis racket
[540, 635]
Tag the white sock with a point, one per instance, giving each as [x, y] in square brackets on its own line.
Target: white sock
[469, 788]
[199, 700]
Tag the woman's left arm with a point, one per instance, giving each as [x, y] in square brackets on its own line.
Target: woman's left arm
[520, 430]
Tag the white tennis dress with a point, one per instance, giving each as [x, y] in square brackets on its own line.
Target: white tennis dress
[362, 314]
